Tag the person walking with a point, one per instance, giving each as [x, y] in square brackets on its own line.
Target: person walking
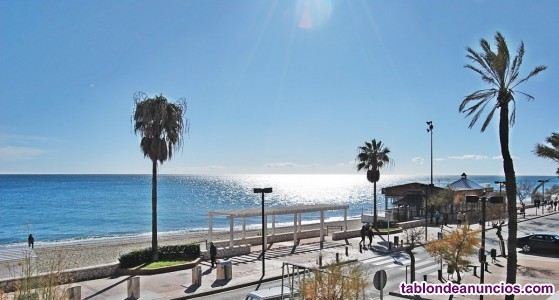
[437, 217]
[362, 232]
[31, 241]
[213, 254]
[459, 219]
[465, 219]
[555, 204]
[370, 236]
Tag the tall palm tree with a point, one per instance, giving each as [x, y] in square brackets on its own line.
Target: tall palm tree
[372, 157]
[501, 74]
[161, 125]
[549, 152]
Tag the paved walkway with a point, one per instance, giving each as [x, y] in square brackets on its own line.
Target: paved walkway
[247, 270]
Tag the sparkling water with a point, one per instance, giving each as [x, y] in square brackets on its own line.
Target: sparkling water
[59, 208]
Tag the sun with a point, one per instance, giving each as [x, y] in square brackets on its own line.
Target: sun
[313, 13]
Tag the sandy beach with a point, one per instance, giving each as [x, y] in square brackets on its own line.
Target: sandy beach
[91, 253]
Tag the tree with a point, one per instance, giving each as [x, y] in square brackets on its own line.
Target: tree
[524, 189]
[496, 214]
[372, 157]
[413, 237]
[551, 151]
[455, 247]
[161, 126]
[502, 75]
[337, 281]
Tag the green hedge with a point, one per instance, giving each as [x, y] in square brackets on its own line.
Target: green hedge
[142, 256]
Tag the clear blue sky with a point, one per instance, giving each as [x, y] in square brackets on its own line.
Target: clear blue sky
[271, 86]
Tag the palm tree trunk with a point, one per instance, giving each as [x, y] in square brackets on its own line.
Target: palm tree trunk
[510, 179]
[154, 254]
[375, 205]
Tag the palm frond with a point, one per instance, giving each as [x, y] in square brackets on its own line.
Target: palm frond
[533, 73]
[489, 118]
[484, 76]
[480, 59]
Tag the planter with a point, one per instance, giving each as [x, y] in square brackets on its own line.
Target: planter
[139, 271]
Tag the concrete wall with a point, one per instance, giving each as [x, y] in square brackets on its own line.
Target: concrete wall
[225, 252]
[67, 276]
[342, 235]
[411, 224]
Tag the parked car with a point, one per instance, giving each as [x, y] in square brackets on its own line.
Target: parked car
[274, 293]
[539, 241]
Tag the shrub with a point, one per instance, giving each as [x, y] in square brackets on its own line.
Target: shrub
[142, 256]
[384, 224]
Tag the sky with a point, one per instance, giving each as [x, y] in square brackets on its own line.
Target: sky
[271, 86]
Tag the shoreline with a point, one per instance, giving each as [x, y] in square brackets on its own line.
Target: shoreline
[99, 252]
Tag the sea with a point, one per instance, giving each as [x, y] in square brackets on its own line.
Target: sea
[80, 208]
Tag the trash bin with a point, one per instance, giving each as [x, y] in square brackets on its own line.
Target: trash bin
[228, 269]
[224, 270]
[134, 288]
[197, 275]
[396, 240]
[74, 293]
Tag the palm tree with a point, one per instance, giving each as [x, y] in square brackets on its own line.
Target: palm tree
[161, 125]
[372, 157]
[501, 74]
[549, 152]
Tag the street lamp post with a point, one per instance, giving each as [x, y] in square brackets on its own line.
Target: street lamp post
[482, 259]
[500, 183]
[543, 192]
[429, 129]
[263, 191]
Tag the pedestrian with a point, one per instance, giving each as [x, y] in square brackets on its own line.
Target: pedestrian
[213, 254]
[459, 219]
[445, 218]
[31, 241]
[555, 204]
[363, 233]
[437, 217]
[465, 219]
[523, 210]
[370, 236]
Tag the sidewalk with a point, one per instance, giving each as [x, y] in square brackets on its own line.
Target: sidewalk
[247, 269]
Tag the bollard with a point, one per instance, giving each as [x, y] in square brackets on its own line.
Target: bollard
[337, 257]
[475, 270]
[346, 253]
[440, 274]
[389, 245]
[197, 275]
[486, 266]
[74, 293]
[320, 261]
[134, 288]
[424, 277]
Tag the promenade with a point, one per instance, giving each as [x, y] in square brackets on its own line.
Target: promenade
[247, 270]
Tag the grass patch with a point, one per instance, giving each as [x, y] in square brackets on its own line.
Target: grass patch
[165, 263]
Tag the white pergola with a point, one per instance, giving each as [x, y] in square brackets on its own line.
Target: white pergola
[296, 211]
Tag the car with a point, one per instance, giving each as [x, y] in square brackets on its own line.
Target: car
[539, 241]
[274, 293]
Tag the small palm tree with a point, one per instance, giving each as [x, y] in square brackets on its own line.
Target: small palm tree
[372, 157]
[161, 125]
[549, 152]
[502, 75]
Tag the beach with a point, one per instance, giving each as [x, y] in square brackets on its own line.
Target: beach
[92, 253]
